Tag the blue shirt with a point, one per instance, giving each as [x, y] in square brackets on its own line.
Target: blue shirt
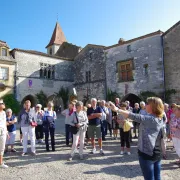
[12, 127]
[95, 121]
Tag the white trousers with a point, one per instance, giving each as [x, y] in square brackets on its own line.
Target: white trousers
[31, 132]
[2, 143]
[176, 142]
[80, 135]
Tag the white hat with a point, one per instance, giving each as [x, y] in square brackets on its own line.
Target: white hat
[1, 101]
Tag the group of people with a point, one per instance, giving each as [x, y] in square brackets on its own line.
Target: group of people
[153, 123]
[34, 123]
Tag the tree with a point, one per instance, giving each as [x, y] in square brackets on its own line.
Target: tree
[42, 98]
[64, 94]
[145, 94]
[11, 102]
[111, 95]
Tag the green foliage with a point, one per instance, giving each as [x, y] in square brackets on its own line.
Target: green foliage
[145, 94]
[64, 94]
[168, 94]
[111, 95]
[42, 98]
[12, 103]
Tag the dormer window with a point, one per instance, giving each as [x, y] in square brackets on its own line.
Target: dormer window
[4, 52]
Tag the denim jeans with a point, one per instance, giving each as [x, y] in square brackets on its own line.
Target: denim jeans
[104, 128]
[68, 133]
[49, 131]
[151, 169]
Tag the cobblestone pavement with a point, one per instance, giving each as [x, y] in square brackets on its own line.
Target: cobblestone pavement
[54, 165]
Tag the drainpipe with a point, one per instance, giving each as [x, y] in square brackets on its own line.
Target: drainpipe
[15, 81]
[162, 46]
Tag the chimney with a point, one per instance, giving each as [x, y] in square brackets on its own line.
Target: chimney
[121, 41]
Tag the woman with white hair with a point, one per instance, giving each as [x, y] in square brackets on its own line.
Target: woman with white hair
[80, 121]
[143, 108]
[11, 127]
[39, 127]
[49, 125]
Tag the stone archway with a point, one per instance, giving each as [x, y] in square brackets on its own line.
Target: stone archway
[132, 98]
[31, 98]
[58, 102]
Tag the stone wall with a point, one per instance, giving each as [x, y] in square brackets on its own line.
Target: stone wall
[28, 66]
[171, 42]
[91, 58]
[143, 51]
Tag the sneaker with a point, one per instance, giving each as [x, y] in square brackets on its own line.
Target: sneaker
[102, 152]
[23, 154]
[76, 151]
[128, 153]
[85, 148]
[93, 151]
[70, 159]
[13, 150]
[122, 152]
[3, 166]
[81, 157]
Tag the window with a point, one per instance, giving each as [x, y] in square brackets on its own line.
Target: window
[129, 48]
[4, 72]
[125, 70]
[88, 76]
[47, 71]
[145, 69]
[4, 52]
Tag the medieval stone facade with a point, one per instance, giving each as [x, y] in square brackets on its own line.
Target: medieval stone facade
[89, 72]
[135, 66]
[171, 47]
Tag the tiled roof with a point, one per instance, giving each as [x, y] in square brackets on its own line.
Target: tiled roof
[41, 54]
[170, 29]
[3, 44]
[68, 50]
[57, 36]
[135, 39]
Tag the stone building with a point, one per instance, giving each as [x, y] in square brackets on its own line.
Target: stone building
[7, 70]
[135, 66]
[171, 46]
[36, 71]
[89, 72]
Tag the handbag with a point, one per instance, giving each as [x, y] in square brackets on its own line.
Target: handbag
[127, 126]
[33, 124]
[74, 129]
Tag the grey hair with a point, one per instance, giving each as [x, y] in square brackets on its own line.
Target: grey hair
[93, 99]
[136, 104]
[103, 101]
[79, 103]
[165, 104]
[39, 105]
[142, 103]
[9, 110]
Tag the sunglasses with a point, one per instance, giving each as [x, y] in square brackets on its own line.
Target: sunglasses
[37, 107]
[1, 103]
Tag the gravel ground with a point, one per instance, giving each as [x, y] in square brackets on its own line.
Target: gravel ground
[54, 165]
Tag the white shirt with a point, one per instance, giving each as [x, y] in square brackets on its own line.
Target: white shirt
[3, 120]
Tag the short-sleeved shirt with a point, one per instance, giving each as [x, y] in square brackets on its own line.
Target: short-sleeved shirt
[12, 127]
[2, 120]
[95, 121]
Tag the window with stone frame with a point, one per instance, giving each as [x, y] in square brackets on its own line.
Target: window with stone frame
[4, 52]
[47, 71]
[88, 76]
[125, 70]
[145, 70]
[4, 73]
[50, 51]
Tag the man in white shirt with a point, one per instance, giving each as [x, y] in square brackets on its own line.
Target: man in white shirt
[3, 133]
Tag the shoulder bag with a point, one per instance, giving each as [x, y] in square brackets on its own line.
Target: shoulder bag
[74, 129]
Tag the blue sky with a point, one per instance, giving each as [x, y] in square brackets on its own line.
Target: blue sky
[28, 24]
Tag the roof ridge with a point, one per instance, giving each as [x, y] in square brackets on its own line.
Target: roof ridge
[40, 53]
[171, 28]
[135, 39]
